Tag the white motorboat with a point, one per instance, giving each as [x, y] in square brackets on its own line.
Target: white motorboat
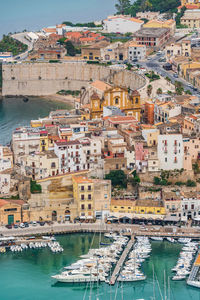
[178, 277]
[170, 239]
[157, 238]
[76, 278]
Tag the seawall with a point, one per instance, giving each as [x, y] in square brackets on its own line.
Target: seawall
[40, 79]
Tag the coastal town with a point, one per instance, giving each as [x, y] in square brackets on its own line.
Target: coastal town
[125, 155]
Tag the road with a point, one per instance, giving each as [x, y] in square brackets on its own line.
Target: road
[157, 67]
[98, 226]
[21, 37]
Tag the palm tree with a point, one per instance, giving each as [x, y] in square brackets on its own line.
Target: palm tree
[149, 90]
[159, 91]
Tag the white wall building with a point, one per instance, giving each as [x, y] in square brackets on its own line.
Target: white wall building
[70, 155]
[4, 183]
[190, 208]
[130, 156]
[164, 111]
[170, 151]
[4, 163]
[136, 52]
[121, 24]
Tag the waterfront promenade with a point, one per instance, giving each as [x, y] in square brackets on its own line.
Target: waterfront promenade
[65, 228]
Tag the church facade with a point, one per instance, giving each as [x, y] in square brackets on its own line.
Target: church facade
[127, 102]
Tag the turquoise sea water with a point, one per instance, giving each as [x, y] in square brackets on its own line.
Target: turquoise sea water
[26, 276]
[17, 15]
[14, 112]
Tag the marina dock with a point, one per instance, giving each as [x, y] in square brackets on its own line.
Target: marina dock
[194, 278]
[120, 262]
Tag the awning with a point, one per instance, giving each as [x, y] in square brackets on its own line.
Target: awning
[126, 218]
[82, 218]
[172, 218]
[90, 218]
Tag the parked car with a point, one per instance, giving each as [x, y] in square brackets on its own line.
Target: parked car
[16, 226]
[42, 223]
[26, 224]
[22, 225]
[175, 75]
[9, 226]
[34, 223]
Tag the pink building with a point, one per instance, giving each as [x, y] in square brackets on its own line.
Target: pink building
[141, 157]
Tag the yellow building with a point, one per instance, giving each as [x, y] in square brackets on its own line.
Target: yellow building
[188, 65]
[44, 143]
[12, 211]
[129, 103]
[170, 24]
[137, 207]
[191, 18]
[83, 193]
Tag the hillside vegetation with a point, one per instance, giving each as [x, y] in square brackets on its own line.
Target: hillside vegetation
[130, 7]
[8, 44]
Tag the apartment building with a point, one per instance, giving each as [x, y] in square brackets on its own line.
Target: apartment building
[191, 18]
[136, 51]
[170, 151]
[25, 141]
[39, 165]
[70, 155]
[121, 24]
[152, 37]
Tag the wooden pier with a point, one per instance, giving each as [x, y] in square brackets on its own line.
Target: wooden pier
[121, 260]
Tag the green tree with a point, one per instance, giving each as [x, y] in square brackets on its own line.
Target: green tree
[149, 90]
[159, 91]
[179, 87]
[188, 92]
[118, 178]
[71, 51]
[191, 183]
[123, 7]
[135, 180]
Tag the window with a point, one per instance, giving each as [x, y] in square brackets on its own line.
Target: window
[136, 100]
[89, 187]
[116, 101]
[192, 206]
[165, 159]
[82, 188]
[89, 206]
[82, 197]
[82, 206]
[53, 165]
[89, 197]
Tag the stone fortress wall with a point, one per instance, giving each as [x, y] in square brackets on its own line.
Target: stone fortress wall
[38, 79]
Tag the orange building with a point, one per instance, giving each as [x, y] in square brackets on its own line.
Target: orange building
[149, 112]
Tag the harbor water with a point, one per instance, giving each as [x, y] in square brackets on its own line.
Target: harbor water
[27, 275]
[15, 112]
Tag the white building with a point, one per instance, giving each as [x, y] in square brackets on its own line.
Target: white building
[121, 24]
[164, 111]
[136, 51]
[130, 156]
[4, 162]
[190, 208]
[70, 155]
[4, 183]
[170, 151]
[25, 141]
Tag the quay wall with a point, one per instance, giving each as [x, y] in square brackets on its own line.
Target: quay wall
[40, 79]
